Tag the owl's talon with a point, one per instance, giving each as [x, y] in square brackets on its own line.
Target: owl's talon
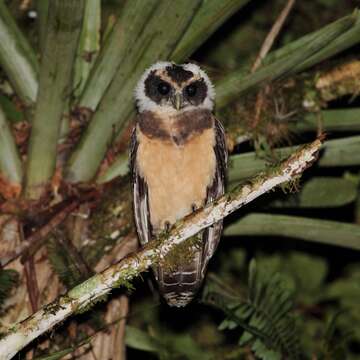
[167, 226]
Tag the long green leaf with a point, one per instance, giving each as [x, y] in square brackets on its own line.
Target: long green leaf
[42, 8]
[314, 230]
[131, 22]
[339, 152]
[157, 41]
[344, 41]
[89, 44]
[320, 192]
[140, 340]
[357, 205]
[345, 120]
[64, 25]
[211, 15]
[341, 43]
[120, 167]
[17, 58]
[178, 345]
[229, 88]
[10, 163]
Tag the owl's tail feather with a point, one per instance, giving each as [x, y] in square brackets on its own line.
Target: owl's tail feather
[179, 286]
[179, 282]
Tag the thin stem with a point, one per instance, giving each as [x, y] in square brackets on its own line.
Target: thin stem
[82, 296]
[273, 34]
[64, 25]
[17, 58]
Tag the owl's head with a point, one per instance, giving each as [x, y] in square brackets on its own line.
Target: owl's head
[168, 87]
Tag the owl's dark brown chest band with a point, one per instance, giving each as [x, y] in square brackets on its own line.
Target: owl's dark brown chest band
[182, 127]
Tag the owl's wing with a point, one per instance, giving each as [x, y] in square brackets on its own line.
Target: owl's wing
[211, 236]
[140, 193]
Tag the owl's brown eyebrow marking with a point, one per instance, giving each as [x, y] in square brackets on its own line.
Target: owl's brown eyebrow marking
[178, 73]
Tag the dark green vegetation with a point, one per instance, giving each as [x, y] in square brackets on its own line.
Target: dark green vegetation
[300, 298]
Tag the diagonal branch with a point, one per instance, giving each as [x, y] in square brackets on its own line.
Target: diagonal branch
[82, 296]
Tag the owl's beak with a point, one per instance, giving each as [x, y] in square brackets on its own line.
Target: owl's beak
[177, 101]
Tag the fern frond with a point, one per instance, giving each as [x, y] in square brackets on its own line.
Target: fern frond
[335, 341]
[68, 264]
[67, 261]
[264, 315]
[8, 280]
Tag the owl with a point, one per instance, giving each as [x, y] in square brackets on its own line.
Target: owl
[178, 159]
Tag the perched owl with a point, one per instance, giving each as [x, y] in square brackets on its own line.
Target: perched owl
[178, 162]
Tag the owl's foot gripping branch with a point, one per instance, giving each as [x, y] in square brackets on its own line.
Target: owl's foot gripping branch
[92, 290]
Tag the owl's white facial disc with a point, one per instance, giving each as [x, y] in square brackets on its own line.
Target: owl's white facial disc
[167, 87]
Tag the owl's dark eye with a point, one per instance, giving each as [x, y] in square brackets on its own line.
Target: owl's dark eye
[163, 88]
[191, 90]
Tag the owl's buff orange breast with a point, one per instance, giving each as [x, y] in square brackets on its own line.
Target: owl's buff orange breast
[177, 175]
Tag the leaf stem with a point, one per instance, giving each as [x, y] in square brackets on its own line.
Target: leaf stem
[17, 58]
[63, 29]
